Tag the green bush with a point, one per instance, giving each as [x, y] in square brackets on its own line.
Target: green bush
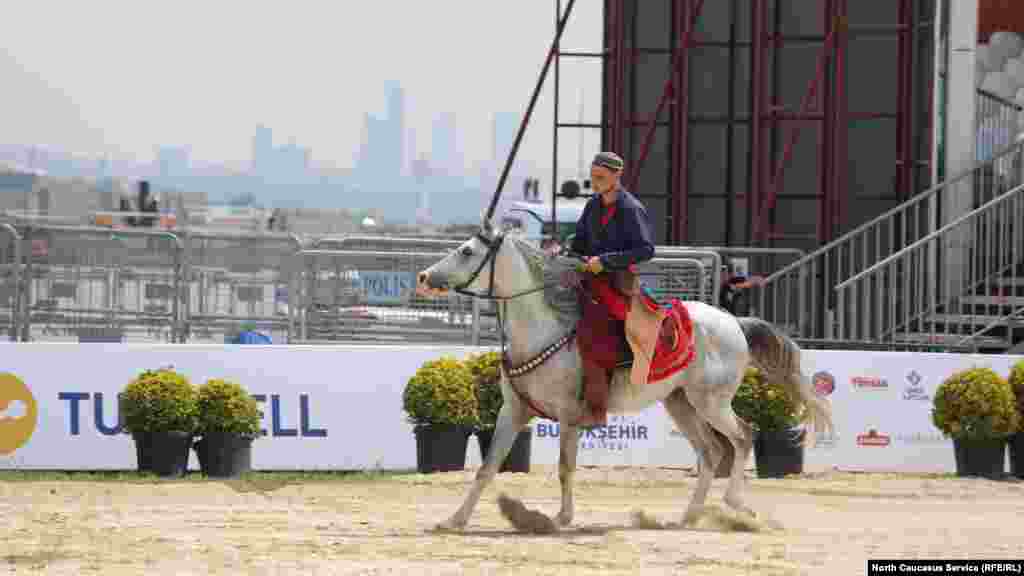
[975, 403]
[486, 371]
[225, 406]
[441, 392]
[1017, 384]
[160, 401]
[765, 405]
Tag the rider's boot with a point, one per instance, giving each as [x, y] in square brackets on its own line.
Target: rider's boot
[595, 392]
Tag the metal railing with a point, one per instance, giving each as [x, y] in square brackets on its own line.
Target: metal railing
[386, 243]
[800, 296]
[94, 284]
[236, 279]
[11, 301]
[927, 290]
[100, 284]
[353, 295]
[683, 285]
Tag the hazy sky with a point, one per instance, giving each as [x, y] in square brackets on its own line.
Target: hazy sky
[122, 77]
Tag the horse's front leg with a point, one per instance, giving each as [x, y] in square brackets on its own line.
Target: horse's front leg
[511, 420]
[568, 447]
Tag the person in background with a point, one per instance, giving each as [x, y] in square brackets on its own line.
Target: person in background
[730, 293]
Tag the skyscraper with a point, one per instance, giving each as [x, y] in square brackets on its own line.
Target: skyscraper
[443, 150]
[505, 127]
[395, 148]
[262, 147]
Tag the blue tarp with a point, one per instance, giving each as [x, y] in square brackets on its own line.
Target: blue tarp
[250, 337]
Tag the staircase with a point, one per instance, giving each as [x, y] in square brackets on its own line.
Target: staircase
[902, 282]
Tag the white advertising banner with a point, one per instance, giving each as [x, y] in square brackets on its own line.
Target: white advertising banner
[340, 407]
[882, 405]
[324, 407]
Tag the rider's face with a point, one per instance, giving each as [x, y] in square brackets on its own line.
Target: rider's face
[602, 179]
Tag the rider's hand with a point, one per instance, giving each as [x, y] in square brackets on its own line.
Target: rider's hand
[594, 265]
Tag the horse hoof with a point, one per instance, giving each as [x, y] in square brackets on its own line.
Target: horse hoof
[563, 520]
[450, 526]
[740, 507]
[691, 517]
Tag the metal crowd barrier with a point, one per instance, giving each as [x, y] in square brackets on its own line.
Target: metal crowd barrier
[352, 295]
[100, 284]
[10, 281]
[236, 279]
[95, 284]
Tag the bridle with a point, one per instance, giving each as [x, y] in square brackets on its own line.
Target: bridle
[493, 245]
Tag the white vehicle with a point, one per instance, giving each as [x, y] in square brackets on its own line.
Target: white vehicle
[534, 219]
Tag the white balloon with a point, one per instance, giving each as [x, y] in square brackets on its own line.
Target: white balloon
[1000, 84]
[1009, 43]
[996, 56]
[983, 57]
[1015, 70]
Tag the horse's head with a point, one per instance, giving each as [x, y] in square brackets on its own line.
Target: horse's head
[487, 264]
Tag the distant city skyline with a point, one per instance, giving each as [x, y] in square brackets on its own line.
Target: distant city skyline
[391, 174]
[108, 83]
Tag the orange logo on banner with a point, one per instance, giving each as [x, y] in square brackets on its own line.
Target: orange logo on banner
[869, 383]
[18, 413]
[873, 438]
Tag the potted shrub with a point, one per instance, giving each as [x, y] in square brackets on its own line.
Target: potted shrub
[976, 408]
[1016, 382]
[768, 408]
[229, 420]
[159, 409]
[440, 402]
[486, 371]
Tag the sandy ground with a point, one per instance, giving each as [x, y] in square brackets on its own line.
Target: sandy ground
[817, 524]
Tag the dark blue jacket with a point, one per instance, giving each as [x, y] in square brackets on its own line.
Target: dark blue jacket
[627, 238]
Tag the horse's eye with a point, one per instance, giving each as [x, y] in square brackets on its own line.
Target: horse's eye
[467, 251]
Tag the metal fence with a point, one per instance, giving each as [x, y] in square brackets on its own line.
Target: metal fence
[370, 296]
[94, 284]
[239, 281]
[10, 281]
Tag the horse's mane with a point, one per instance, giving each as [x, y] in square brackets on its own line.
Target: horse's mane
[559, 277]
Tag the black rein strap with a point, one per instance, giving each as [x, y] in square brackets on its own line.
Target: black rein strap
[514, 372]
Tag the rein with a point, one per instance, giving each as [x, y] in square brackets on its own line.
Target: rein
[533, 363]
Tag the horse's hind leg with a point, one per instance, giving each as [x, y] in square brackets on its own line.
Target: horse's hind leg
[716, 409]
[697, 431]
[511, 419]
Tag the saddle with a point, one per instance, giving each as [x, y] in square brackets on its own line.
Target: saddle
[654, 341]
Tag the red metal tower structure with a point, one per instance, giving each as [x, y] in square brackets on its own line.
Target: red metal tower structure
[773, 96]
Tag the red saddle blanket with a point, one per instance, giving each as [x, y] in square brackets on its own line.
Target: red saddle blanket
[601, 336]
[669, 359]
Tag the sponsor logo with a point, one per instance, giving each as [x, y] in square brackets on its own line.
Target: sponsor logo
[18, 413]
[873, 438]
[922, 438]
[824, 383]
[913, 389]
[869, 383]
[619, 434]
[283, 414]
[824, 441]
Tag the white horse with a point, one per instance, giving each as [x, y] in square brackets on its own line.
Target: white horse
[542, 368]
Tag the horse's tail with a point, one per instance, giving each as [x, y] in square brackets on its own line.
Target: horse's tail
[778, 356]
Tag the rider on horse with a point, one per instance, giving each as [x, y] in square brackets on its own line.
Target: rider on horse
[613, 234]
